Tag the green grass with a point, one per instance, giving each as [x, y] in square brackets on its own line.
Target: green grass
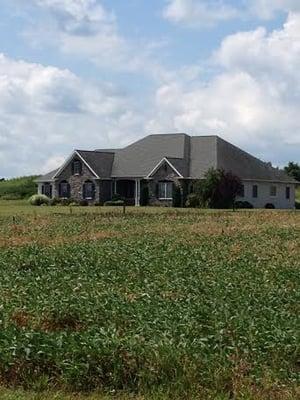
[157, 302]
[18, 188]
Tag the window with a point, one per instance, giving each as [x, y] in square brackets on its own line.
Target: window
[88, 190]
[255, 191]
[287, 192]
[242, 194]
[47, 190]
[273, 191]
[165, 190]
[76, 167]
[64, 189]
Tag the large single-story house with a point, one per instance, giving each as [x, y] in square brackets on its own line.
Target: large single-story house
[159, 162]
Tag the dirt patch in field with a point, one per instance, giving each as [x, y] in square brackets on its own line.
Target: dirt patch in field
[55, 241]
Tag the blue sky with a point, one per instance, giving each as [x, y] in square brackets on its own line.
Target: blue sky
[98, 73]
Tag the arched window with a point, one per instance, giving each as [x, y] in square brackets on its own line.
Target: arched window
[47, 190]
[88, 190]
[64, 190]
[76, 167]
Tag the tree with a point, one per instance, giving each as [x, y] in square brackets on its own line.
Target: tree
[293, 170]
[219, 189]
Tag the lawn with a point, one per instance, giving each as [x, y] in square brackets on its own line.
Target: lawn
[161, 303]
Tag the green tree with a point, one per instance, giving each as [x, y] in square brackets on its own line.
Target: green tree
[293, 170]
[219, 189]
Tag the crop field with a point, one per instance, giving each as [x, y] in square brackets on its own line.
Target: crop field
[156, 303]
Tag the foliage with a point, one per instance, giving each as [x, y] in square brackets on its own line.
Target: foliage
[83, 203]
[114, 203]
[192, 200]
[177, 196]
[270, 206]
[157, 299]
[55, 201]
[218, 189]
[243, 205]
[39, 200]
[18, 188]
[297, 205]
[293, 169]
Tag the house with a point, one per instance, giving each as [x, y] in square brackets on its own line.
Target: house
[159, 162]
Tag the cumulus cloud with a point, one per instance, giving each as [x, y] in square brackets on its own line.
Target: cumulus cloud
[199, 13]
[46, 112]
[266, 9]
[207, 13]
[253, 101]
[86, 30]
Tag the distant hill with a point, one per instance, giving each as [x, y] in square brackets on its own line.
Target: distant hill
[17, 188]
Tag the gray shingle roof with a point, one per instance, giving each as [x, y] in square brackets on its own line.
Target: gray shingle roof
[244, 165]
[47, 177]
[139, 158]
[192, 156]
[101, 162]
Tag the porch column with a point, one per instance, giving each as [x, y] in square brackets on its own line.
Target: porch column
[137, 192]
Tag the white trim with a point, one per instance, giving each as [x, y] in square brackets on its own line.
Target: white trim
[165, 189]
[159, 164]
[69, 159]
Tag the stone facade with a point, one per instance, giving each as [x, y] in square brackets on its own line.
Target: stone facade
[164, 173]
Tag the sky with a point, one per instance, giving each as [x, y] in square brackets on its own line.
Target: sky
[88, 74]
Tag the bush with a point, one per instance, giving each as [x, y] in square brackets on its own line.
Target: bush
[115, 203]
[66, 202]
[192, 201]
[297, 205]
[270, 206]
[144, 201]
[55, 201]
[116, 197]
[39, 199]
[98, 204]
[243, 205]
[83, 203]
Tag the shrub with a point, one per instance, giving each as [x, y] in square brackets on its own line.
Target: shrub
[66, 202]
[55, 201]
[297, 205]
[83, 203]
[192, 201]
[270, 206]
[243, 204]
[144, 201]
[98, 204]
[116, 197]
[115, 203]
[39, 199]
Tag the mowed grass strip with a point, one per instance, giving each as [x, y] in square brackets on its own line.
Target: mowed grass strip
[186, 304]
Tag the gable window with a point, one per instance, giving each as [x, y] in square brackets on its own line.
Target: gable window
[287, 192]
[273, 191]
[255, 191]
[76, 167]
[47, 190]
[165, 190]
[88, 190]
[64, 190]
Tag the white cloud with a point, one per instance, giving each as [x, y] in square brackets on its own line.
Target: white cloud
[46, 112]
[254, 101]
[199, 13]
[266, 9]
